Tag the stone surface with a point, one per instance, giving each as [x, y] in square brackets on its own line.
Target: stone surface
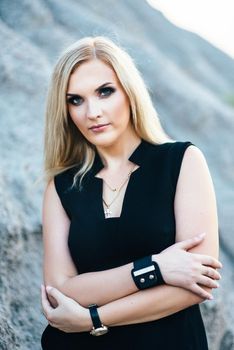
[192, 85]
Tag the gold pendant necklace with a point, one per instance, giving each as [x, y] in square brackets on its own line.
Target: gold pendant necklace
[107, 211]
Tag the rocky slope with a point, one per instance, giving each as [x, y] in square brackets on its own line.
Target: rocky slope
[192, 85]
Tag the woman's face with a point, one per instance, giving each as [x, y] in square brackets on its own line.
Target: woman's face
[96, 97]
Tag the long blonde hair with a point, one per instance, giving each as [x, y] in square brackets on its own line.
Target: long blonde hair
[64, 145]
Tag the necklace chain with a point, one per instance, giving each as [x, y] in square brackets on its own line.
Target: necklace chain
[107, 211]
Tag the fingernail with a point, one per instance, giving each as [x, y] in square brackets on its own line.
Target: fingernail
[48, 288]
[211, 297]
[201, 235]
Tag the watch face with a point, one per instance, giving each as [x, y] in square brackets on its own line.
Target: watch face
[99, 331]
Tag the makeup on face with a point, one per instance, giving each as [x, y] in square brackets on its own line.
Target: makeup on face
[97, 103]
[102, 91]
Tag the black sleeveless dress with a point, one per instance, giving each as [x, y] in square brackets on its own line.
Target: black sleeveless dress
[146, 226]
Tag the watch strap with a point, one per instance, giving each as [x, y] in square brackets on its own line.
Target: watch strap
[94, 316]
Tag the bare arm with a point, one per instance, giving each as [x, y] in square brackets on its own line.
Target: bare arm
[99, 287]
[195, 211]
[196, 191]
[59, 269]
[180, 269]
[147, 305]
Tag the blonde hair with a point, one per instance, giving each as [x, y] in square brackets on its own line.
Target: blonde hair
[64, 145]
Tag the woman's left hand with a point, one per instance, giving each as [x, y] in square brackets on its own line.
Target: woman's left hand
[69, 316]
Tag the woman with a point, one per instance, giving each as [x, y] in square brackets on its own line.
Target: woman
[129, 216]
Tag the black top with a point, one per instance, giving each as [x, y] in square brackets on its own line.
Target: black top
[146, 226]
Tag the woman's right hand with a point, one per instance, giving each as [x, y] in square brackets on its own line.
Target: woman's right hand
[191, 271]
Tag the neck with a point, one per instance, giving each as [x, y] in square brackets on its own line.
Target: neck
[116, 155]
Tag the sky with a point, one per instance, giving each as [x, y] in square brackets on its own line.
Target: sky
[211, 19]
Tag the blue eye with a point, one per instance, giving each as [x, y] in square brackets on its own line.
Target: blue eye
[74, 100]
[106, 91]
[77, 100]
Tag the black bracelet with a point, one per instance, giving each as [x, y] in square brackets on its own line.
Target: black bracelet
[146, 273]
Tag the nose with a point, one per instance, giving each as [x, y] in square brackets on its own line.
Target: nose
[93, 109]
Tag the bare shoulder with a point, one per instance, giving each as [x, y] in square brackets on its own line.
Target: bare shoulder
[195, 201]
[49, 188]
[194, 167]
[51, 202]
[194, 156]
[194, 177]
[50, 193]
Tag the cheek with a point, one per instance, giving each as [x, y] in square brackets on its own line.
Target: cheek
[76, 116]
[120, 108]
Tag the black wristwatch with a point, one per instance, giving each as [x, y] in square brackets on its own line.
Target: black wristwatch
[98, 327]
[146, 273]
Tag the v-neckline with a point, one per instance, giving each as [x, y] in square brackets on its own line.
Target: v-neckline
[136, 157]
[100, 195]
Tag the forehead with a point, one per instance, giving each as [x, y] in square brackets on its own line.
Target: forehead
[90, 75]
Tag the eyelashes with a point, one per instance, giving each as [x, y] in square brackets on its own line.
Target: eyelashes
[77, 100]
[74, 100]
[106, 91]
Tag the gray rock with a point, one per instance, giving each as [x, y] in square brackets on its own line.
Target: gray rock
[192, 85]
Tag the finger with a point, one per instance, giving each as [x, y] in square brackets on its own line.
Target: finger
[209, 272]
[201, 292]
[55, 293]
[210, 261]
[207, 282]
[44, 301]
[191, 242]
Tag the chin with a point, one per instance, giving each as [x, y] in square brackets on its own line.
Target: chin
[103, 140]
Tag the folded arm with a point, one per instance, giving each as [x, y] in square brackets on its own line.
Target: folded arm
[195, 211]
[147, 305]
[59, 270]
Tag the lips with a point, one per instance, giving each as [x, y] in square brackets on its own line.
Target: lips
[97, 126]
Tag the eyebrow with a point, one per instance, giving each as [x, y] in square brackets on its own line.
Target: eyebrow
[96, 90]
